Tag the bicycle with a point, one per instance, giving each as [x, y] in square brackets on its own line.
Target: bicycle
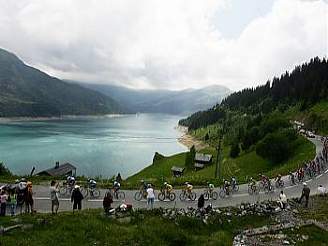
[280, 183]
[118, 194]
[90, 192]
[252, 189]
[140, 194]
[210, 194]
[225, 192]
[268, 187]
[164, 194]
[235, 187]
[65, 190]
[185, 194]
[292, 179]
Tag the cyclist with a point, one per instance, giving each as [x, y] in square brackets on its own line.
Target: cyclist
[226, 186]
[189, 188]
[92, 183]
[71, 181]
[233, 182]
[167, 187]
[116, 186]
[292, 177]
[278, 179]
[252, 183]
[143, 185]
[210, 186]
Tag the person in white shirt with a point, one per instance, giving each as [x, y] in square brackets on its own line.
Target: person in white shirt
[322, 190]
[150, 196]
[282, 200]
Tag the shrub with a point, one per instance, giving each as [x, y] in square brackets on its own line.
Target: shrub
[207, 137]
[250, 138]
[235, 150]
[157, 157]
[274, 147]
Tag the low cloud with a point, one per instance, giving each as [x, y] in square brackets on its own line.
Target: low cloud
[161, 44]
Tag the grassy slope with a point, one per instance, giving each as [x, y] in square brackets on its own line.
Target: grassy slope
[247, 164]
[91, 227]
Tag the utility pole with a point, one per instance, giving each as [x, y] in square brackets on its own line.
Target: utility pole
[218, 149]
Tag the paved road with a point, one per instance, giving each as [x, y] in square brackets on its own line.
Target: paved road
[42, 202]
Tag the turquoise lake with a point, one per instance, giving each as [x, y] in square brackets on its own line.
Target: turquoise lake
[97, 146]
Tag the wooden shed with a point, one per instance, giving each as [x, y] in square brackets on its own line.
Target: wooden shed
[201, 160]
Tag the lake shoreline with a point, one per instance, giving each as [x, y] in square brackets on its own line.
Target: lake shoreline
[63, 117]
[188, 140]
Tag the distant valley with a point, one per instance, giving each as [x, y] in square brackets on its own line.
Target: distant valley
[163, 101]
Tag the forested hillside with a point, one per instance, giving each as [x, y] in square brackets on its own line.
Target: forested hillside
[305, 86]
[26, 91]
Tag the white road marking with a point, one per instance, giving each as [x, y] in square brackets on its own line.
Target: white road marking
[47, 198]
[319, 176]
[326, 171]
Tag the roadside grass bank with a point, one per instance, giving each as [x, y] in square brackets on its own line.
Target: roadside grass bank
[92, 227]
[152, 227]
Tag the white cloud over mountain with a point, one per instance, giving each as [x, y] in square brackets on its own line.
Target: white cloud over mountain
[161, 44]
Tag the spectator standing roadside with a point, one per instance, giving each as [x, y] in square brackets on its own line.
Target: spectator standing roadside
[150, 197]
[77, 198]
[12, 202]
[282, 200]
[305, 194]
[322, 191]
[3, 200]
[201, 202]
[54, 196]
[29, 202]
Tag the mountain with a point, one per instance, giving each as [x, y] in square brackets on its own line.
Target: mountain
[163, 101]
[26, 91]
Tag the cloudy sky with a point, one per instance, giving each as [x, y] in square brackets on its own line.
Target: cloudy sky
[170, 44]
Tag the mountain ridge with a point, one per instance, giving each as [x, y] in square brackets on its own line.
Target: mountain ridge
[28, 92]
